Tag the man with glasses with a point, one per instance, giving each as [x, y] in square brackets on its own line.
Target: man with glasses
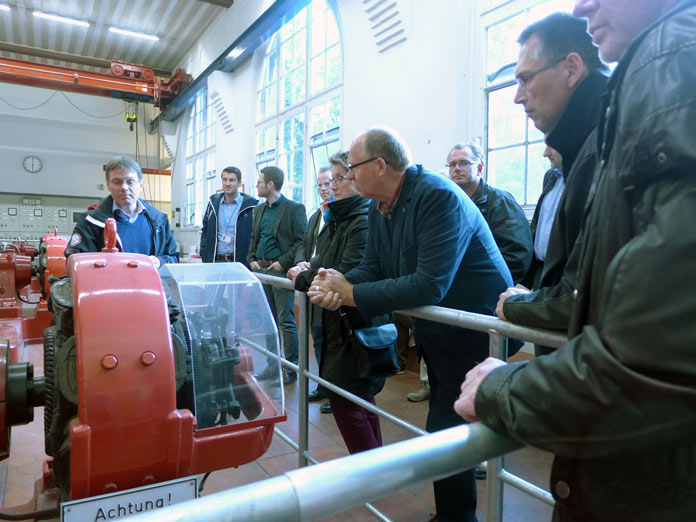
[503, 214]
[560, 79]
[304, 256]
[142, 229]
[277, 230]
[427, 244]
[616, 403]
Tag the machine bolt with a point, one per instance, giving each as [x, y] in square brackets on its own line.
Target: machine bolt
[147, 358]
[100, 264]
[148, 479]
[110, 487]
[109, 362]
[132, 264]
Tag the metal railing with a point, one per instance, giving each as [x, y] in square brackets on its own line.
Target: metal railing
[338, 485]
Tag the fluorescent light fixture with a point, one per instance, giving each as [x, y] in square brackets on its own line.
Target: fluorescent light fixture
[4, 7]
[57, 18]
[236, 52]
[135, 34]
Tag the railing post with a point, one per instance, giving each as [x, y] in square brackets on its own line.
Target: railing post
[494, 502]
[303, 414]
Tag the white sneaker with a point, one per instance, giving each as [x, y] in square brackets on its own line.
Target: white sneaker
[420, 395]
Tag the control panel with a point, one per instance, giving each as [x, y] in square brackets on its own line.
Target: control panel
[30, 216]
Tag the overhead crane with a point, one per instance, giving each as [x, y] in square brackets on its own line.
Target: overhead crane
[126, 81]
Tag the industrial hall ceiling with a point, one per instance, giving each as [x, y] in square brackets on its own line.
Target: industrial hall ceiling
[90, 43]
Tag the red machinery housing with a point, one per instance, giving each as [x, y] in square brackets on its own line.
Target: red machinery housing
[142, 386]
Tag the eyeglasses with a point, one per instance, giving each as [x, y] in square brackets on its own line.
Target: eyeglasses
[356, 165]
[338, 179]
[524, 79]
[462, 164]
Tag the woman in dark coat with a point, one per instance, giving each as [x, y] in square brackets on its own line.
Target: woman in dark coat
[341, 245]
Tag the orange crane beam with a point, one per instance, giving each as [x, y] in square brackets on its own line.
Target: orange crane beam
[130, 82]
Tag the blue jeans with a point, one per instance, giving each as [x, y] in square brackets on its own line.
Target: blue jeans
[282, 303]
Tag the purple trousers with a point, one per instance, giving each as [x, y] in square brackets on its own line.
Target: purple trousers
[359, 427]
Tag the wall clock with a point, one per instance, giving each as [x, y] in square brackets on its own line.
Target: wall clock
[32, 164]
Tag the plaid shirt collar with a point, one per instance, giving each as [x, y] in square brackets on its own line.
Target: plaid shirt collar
[386, 208]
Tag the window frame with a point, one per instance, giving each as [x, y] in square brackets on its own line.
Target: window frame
[200, 150]
[303, 107]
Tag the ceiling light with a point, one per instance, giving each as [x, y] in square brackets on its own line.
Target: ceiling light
[134, 34]
[4, 7]
[57, 18]
[236, 53]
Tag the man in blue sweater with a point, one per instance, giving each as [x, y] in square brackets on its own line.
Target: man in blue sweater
[142, 229]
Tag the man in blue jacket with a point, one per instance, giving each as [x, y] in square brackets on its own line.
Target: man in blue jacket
[428, 244]
[142, 229]
[227, 222]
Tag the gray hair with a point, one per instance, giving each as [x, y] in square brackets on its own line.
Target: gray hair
[123, 163]
[559, 35]
[388, 145]
[475, 150]
[340, 158]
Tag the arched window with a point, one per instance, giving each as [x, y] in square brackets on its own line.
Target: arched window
[298, 110]
[200, 159]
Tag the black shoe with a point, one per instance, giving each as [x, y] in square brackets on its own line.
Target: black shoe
[315, 396]
[325, 408]
[289, 377]
[270, 373]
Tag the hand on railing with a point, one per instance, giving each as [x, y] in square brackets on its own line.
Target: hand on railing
[293, 272]
[464, 405]
[331, 290]
[503, 297]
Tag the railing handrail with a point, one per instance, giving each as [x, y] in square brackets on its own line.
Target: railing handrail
[470, 320]
[337, 485]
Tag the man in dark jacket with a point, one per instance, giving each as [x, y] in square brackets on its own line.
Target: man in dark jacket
[142, 229]
[560, 81]
[503, 214]
[277, 230]
[427, 244]
[304, 256]
[616, 403]
[226, 228]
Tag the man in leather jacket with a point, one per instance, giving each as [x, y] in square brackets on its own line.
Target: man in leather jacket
[616, 403]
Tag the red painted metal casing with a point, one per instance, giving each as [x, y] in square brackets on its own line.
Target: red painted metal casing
[15, 273]
[129, 431]
[55, 258]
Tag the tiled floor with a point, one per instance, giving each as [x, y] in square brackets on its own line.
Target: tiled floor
[416, 505]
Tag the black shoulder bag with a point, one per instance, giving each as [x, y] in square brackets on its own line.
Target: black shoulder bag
[376, 353]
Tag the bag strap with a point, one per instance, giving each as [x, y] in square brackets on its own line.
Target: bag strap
[346, 322]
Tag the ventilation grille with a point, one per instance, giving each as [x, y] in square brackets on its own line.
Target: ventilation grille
[386, 21]
[221, 112]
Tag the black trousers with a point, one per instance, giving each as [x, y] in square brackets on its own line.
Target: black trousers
[455, 496]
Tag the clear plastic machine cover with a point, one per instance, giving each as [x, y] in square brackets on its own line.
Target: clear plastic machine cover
[229, 333]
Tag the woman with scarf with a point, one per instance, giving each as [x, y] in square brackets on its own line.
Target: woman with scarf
[341, 245]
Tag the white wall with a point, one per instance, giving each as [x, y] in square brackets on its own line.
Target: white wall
[73, 145]
[429, 88]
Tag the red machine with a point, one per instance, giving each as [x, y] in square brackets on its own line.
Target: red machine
[140, 385]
